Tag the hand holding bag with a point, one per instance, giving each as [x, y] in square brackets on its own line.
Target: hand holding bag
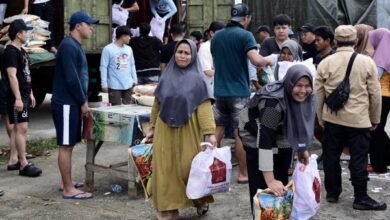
[119, 15]
[210, 172]
[307, 193]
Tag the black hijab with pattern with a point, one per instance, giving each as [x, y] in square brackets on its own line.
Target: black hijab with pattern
[299, 117]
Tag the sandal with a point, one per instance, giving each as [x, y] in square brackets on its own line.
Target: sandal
[30, 171]
[15, 166]
[202, 210]
[79, 196]
[1, 192]
[76, 185]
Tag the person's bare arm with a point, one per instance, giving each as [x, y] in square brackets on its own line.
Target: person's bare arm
[258, 60]
[14, 84]
[133, 8]
[25, 8]
[209, 73]
[274, 185]
[256, 84]
[162, 67]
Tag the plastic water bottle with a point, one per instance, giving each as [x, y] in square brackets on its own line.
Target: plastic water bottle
[116, 188]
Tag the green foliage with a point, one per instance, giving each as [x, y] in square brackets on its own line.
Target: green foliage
[34, 147]
[40, 146]
[98, 125]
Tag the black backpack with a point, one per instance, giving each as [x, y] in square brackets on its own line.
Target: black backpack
[337, 99]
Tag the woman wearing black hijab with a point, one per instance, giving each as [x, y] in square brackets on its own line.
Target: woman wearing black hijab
[279, 120]
[181, 118]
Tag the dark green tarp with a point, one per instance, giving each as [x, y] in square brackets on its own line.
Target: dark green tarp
[35, 58]
[316, 12]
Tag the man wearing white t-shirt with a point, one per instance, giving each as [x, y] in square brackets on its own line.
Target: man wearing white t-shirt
[204, 54]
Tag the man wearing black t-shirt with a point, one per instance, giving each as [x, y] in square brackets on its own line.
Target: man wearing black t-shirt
[281, 25]
[177, 35]
[308, 41]
[20, 96]
[147, 51]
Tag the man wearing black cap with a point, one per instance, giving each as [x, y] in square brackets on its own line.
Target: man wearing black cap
[231, 47]
[70, 100]
[20, 96]
[306, 32]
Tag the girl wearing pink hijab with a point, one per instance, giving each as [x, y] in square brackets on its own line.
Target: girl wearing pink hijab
[380, 142]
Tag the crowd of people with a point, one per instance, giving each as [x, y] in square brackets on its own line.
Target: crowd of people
[204, 88]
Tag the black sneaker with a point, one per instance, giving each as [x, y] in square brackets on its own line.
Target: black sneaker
[30, 171]
[332, 199]
[367, 203]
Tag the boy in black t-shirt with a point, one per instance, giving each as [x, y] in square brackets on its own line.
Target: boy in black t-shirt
[272, 45]
[20, 96]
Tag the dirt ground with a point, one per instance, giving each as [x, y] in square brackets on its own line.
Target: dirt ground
[39, 198]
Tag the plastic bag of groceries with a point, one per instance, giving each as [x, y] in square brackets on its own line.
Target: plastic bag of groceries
[146, 100]
[119, 14]
[157, 27]
[267, 206]
[210, 172]
[307, 195]
[147, 89]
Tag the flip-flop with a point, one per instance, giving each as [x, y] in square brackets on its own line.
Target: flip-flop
[78, 196]
[1, 192]
[75, 184]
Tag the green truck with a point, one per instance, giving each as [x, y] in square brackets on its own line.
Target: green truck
[42, 73]
[197, 14]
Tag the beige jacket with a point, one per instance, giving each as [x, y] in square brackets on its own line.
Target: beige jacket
[363, 107]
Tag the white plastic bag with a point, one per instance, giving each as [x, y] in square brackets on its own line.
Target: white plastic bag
[119, 15]
[285, 65]
[210, 173]
[157, 27]
[307, 194]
